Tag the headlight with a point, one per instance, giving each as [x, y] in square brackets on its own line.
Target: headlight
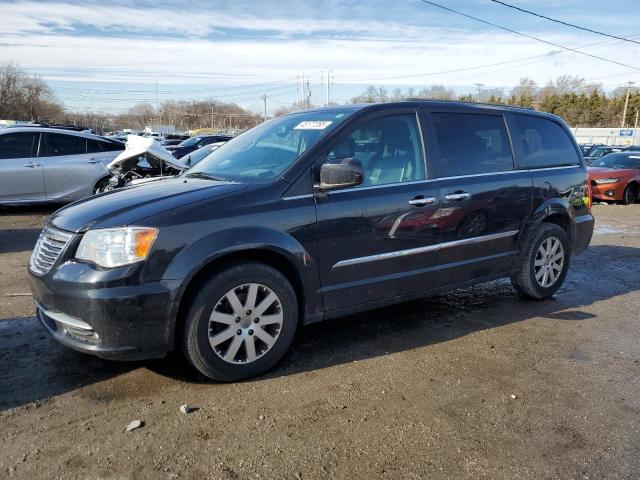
[600, 181]
[116, 247]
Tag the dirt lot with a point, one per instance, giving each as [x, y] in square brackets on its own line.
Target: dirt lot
[473, 384]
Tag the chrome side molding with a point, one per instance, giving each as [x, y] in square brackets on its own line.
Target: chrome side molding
[425, 249]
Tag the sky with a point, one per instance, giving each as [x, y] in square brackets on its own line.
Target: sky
[109, 55]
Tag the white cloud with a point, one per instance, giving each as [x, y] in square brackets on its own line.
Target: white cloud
[97, 43]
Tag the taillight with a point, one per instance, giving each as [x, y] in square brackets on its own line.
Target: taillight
[588, 200]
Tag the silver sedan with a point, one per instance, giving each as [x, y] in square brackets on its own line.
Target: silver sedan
[52, 165]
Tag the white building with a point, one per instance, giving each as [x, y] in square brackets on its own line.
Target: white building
[607, 136]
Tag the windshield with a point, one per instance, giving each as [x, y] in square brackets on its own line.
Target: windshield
[264, 152]
[189, 142]
[618, 161]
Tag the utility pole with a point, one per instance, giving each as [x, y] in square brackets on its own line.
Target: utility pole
[329, 75]
[479, 87]
[264, 99]
[308, 97]
[626, 104]
[212, 116]
[158, 105]
[636, 124]
[303, 96]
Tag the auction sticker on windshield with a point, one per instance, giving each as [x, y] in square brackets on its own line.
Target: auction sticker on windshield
[313, 125]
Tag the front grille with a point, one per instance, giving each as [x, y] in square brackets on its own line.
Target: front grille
[51, 243]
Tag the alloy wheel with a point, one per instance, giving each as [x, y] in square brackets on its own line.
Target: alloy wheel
[549, 262]
[245, 323]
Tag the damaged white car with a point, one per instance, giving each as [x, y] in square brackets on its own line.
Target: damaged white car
[143, 160]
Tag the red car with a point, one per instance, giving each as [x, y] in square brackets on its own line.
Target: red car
[616, 177]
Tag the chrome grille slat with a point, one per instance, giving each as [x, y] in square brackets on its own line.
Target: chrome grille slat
[50, 245]
[50, 248]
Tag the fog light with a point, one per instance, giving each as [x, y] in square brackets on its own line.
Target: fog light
[610, 193]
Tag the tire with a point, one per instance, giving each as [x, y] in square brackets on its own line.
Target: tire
[630, 195]
[101, 186]
[525, 281]
[228, 344]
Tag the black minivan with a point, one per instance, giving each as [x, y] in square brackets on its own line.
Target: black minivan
[310, 216]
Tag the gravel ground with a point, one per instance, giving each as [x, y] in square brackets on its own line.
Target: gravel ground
[477, 383]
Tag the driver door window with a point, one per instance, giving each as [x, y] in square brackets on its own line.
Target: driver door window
[389, 149]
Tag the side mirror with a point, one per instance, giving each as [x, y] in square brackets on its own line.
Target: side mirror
[341, 173]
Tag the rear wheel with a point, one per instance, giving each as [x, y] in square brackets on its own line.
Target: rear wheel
[544, 262]
[630, 194]
[241, 322]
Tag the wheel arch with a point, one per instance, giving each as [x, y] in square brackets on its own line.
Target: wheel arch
[556, 211]
[286, 256]
[635, 182]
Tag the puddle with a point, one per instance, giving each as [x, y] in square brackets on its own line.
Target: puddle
[608, 230]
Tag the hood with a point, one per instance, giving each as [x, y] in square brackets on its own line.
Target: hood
[148, 147]
[130, 205]
[603, 172]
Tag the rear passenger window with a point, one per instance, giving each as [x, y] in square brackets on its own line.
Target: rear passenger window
[95, 146]
[61, 144]
[469, 144]
[543, 143]
[112, 146]
[19, 145]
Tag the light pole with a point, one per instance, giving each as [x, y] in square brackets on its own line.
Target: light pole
[626, 104]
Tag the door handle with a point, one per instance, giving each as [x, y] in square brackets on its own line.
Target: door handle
[457, 196]
[31, 165]
[422, 201]
[92, 161]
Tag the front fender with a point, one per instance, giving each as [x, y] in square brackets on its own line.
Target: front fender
[205, 251]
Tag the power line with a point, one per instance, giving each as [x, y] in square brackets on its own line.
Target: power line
[535, 58]
[564, 23]
[527, 35]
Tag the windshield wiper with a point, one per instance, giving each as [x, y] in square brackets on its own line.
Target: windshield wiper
[204, 175]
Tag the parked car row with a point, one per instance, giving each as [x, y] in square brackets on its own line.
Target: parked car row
[60, 164]
[592, 153]
[194, 143]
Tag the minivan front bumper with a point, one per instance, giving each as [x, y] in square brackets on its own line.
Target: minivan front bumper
[120, 322]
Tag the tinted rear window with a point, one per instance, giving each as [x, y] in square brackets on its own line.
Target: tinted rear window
[469, 144]
[61, 144]
[96, 146]
[543, 143]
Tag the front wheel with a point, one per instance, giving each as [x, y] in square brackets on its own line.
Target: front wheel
[241, 322]
[630, 194]
[544, 262]
[102, 186]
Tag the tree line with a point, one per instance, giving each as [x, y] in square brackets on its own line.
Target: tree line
[579, 103]
[24, 96]
[27, 97]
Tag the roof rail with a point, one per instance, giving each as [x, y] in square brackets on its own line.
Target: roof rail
[61, 126]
